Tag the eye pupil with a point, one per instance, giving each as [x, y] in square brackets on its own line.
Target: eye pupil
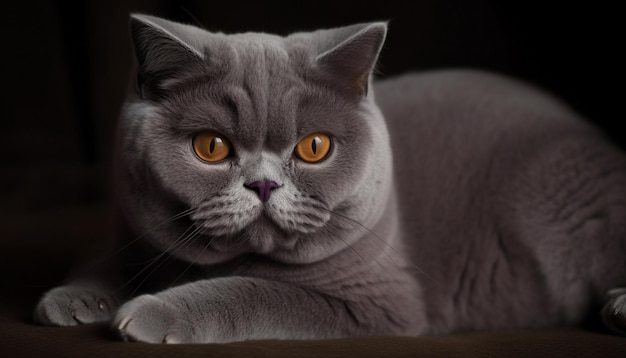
[212, 146]
[314, 144]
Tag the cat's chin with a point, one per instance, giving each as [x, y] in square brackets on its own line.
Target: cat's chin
[262, 236]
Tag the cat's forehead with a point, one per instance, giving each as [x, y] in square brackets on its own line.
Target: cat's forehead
[260, 63]
[251, 48]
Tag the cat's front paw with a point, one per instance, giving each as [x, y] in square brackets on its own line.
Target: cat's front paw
[150, 319]
[74, 305]
[614, 311]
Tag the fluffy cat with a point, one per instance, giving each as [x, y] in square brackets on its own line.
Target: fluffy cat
[265, 192]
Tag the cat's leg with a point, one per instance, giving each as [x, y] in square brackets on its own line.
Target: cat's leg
[79, 302]
[243, 308]
[614, 311]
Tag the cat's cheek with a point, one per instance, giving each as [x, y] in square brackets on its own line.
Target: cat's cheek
[195, 181]
[316, 179]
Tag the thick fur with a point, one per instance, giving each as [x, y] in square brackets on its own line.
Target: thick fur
[450, 201]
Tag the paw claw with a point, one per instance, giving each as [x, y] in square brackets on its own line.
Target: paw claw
[124, 323]
[102, 306]
[169, 339]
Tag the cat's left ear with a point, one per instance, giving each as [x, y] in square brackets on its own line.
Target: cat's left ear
[164, 49]
[353, 54]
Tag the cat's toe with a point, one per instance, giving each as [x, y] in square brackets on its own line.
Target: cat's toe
[149, 319]
[614, 311]
[73, 305]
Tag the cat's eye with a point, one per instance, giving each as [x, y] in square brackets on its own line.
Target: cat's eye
[211, 147]
[313, 148]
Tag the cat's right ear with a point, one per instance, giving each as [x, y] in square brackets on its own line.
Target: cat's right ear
[351, 55]
[163, 50]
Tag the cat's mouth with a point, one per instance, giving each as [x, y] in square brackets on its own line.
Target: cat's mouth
[260, 227]
[287, 214]
[284, 222]
[218, 221]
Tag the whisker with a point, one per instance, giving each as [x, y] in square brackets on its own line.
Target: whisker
[191, 15]
[197, 232]
[380, 240]
[191, 263]
[174, 244]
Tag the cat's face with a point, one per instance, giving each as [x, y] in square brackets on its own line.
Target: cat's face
[271, 142]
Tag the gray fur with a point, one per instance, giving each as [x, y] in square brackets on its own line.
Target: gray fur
[499, 208]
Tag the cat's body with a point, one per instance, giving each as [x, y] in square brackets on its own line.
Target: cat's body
[514, 205]
[472, 202]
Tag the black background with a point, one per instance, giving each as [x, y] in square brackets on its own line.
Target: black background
[64, 68]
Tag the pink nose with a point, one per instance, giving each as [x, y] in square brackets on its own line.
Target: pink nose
[263, 188]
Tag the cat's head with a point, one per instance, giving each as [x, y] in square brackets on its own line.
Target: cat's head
[265, 144]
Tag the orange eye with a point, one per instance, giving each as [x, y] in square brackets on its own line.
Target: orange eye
[313, 148]
[211, 147]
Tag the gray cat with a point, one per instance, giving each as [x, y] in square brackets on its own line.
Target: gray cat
[266, 192]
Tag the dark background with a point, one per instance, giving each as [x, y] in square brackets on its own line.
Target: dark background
[64, 68]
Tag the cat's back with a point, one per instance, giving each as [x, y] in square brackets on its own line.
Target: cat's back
[456, 133]
[461, 109]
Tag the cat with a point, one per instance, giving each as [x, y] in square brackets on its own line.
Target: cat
[268, 188]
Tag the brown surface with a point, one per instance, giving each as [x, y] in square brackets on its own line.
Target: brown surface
[20, 339]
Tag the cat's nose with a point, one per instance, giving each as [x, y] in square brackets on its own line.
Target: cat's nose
[263, 188]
